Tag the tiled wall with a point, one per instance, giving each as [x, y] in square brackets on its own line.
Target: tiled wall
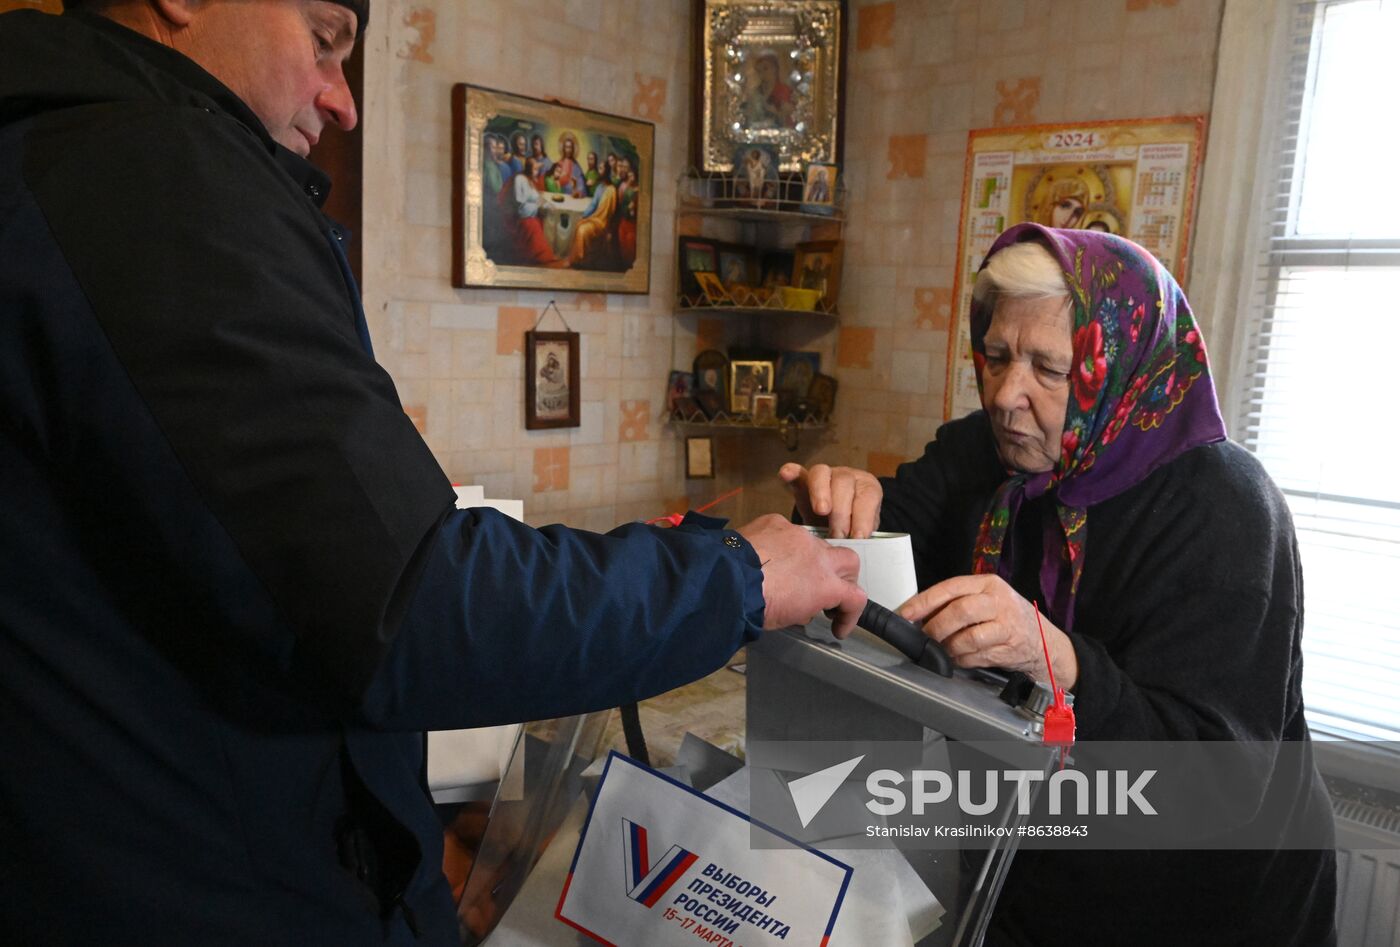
[456, 354]
[921, 75]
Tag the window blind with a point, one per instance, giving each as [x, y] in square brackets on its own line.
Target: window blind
[1322, 372]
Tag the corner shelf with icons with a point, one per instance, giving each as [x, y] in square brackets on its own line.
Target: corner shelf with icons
[788, 429]
[766, 263]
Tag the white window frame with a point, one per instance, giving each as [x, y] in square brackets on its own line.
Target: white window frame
[1239, 195]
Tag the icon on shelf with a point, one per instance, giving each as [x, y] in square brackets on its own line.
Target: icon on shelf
[713, 290]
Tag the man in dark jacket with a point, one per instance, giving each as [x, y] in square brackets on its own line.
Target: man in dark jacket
[234, 589]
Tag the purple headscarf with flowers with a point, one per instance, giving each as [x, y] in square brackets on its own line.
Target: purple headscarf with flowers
[1140, 395]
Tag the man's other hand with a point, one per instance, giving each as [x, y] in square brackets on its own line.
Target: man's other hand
[803, 575]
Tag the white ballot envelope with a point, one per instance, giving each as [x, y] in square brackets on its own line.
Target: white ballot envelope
[886, 565]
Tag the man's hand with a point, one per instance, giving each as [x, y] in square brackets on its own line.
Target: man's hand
[982, 622]
[803, 575]
[843, 499]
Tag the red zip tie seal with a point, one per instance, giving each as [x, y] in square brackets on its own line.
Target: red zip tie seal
[1059, 716]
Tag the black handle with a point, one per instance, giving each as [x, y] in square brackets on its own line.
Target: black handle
[908, 637]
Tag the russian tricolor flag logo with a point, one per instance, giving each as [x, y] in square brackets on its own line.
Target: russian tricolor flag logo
[647, 882]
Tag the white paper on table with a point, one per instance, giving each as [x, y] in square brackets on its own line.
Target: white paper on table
[515, 509]
[887, 902]
[474, 497]
[469, 496]
[460, 761]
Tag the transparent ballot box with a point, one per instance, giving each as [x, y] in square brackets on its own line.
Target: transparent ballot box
[803, 689]
[806, 688]
[494, 847]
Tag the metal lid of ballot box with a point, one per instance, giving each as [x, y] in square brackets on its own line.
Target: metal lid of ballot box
[805, 685]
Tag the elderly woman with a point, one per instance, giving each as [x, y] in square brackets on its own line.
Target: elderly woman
[1099, 481]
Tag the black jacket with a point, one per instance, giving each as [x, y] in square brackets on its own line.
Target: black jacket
[232, 582]
[1188, 626]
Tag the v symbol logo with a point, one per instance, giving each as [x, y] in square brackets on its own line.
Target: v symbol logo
[647, 882]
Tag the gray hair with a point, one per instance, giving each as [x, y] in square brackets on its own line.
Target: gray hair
[1023, 270]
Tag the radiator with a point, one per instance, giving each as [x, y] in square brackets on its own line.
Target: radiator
[1368, 874]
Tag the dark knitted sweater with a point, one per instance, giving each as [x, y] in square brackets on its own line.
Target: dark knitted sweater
[1187, 626]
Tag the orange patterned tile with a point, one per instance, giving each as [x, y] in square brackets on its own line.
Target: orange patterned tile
[424, 20]
[1016, 103]
[689, 225]
[551, 469]
[855, 348]
[882, 464]
[418, 414]
[875, 26]
[933, 307]
[633, 420]
[650, 99]
[709, 334]
[512, 322]
[907, 156]
[594, 301]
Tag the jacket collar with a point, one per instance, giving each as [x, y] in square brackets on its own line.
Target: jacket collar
[153, 70]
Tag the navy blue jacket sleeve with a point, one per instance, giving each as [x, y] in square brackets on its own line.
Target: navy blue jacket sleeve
[511, 623]
[236, 330]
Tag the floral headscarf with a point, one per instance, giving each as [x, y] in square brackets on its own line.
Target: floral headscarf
[1140, 395]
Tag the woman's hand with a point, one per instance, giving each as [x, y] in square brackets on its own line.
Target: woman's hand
[843, 499]
[983, 622]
